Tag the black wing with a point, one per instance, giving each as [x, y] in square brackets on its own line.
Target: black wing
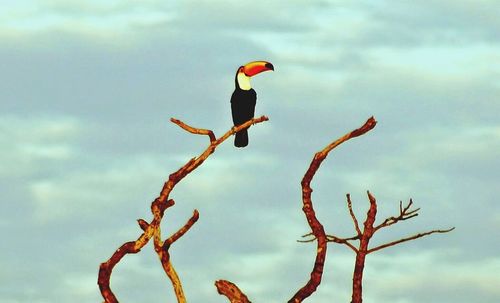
[243, 105]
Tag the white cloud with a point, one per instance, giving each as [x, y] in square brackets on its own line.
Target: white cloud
[91, 192]
[32, 143]
[429, 274]
[82, 285]
[83, 15]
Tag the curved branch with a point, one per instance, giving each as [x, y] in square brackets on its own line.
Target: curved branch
[316, 227]
[182, 230]
[194, 130]
[158, 207]
[231, 291]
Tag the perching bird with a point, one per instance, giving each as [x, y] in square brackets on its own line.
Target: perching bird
[244, 97]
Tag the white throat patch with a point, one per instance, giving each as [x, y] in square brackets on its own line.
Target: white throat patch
[244, 81]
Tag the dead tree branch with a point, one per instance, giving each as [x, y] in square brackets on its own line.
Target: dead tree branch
[316, 226]
[193, 130]
[362, 250]
[404, 214]
[231, 291]
[369, 229]
[158, 207]
[420, 235]
[353, 216]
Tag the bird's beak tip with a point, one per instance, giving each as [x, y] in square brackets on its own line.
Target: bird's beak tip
[257, 67]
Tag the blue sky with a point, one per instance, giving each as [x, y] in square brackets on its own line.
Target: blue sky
[86, 92]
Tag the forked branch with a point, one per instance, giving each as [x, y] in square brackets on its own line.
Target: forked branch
[317, 229]
[365, 235]
[404, 214]
[158, 207]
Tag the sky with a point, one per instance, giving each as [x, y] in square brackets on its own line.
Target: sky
[86, 92]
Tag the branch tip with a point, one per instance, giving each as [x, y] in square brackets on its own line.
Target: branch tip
[231, 291]
[143, 224]
[420, 235]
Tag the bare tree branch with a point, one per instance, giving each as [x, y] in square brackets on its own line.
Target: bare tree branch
[158, 207]
[182, 230]
[404, 214]
[367, 233]
[353, 216]
[331, 238]
[410, 238]
[142, 224]
[231, 291]
[344, 241]
[316, 226]
[193, 130]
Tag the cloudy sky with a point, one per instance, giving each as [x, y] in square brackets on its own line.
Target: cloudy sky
[86, 92]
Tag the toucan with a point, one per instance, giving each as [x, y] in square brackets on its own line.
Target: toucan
[244, 97]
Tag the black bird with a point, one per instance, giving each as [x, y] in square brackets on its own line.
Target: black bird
[244, 97]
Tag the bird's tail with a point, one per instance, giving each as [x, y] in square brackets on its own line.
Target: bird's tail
[241, 138]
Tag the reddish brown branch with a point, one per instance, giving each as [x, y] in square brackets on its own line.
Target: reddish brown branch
[359, 265]
[131, 247]
[316, 226]
[367, 233]
[143, 224]
[158, 207]
[404, 214]
[420, 235]
[331, 238]
[164, 255]
[353, 216]
[182, 230]
[344, 241]
[231, 291]
[193, 130]
[106, 268]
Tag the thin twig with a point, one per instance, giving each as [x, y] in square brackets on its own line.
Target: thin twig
[353, 216]
[331, 238]
[410, 238]
[344, 241]
[404, 214]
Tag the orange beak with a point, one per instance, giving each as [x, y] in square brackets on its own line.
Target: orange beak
[257, 67]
